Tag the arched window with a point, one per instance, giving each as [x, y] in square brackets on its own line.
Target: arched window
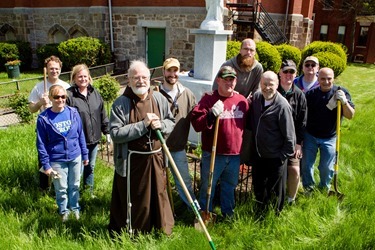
[57, 34]
[7, 33]
[77, 31]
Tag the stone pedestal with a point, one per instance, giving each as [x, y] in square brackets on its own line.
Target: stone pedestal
[209, 55]
[198, 87]
[210, 51]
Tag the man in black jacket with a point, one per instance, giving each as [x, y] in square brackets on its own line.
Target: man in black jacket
[271, 122]
[297, 101]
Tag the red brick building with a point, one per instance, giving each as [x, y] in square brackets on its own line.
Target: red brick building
[336, 22]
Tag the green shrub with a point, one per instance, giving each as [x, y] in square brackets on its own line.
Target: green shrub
[320, 46]
[233, 48]
[331, 60]
[108, 87]
[8, 52]
[88, 50]
[25, 53]
[20, 103]
[269, 57]
[46, 51]
[289, 52]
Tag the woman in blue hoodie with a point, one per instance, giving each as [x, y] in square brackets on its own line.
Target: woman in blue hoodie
[62, 148]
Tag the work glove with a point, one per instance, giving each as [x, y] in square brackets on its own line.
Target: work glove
[332, 103]
[218, 108]
[108, 138]
[340, 95]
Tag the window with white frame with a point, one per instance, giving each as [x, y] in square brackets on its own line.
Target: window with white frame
[341, 34]
[323, 32]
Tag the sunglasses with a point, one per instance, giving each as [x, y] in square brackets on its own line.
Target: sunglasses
[307, 65]
[59, 96]
[289, 71]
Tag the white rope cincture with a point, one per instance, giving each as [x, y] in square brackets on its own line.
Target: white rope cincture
[128, 197]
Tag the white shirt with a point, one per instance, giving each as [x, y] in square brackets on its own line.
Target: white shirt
[38, 91]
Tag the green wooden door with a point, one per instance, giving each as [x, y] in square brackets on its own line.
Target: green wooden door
[155, 47]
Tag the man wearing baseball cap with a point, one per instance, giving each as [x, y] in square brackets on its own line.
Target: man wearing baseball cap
[297, 101]
[309, 79]
[181, 101]
[230, 109]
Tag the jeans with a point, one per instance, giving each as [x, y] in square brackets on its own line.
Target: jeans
[88, 170]
[226, 170]
[327, 148]
[67, 187]
[180, 160]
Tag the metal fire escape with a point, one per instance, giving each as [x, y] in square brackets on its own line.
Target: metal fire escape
[247, 15]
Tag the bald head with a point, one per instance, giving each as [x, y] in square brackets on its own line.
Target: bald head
[325, 79]
[268, 85]
[248, 41]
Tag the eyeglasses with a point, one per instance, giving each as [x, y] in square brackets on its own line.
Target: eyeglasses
[138, 78]
[290, 71]
[307, 65]
[59, 96]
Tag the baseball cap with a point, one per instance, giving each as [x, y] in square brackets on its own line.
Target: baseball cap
[226, 71]
[171, 62]
[311, 58]
[288, 64]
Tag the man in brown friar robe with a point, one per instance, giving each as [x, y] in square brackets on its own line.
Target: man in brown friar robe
[139, 197]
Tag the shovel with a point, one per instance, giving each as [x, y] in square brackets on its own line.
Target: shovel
[209, 217]
[336, 192]
[188, 196]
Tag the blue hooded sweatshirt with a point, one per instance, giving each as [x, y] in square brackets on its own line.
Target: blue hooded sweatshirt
[53, 146]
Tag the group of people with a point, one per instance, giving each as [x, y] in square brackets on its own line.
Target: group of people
[269, 121]
[69, 129]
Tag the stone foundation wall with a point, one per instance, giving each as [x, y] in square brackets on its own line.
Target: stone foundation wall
[38, 26]
[299, 30]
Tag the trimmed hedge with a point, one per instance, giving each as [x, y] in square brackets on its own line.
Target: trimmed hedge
[8, 52]
[269, 57]
[289, 52]
[46, 51]
[88, 50]
[331, 60]
[25, 53]
[108, 87]
[334, 48]
[233, 48]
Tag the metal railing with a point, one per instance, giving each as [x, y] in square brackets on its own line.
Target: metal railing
[243, 190]
[267, 27]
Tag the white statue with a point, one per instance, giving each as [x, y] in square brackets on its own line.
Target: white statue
[214, 18]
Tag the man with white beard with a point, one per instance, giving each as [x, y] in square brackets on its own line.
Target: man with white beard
[139, 197]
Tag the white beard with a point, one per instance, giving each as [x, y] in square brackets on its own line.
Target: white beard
[140, 91]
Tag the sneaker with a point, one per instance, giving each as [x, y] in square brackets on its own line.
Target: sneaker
[76, 213]
[65, 217]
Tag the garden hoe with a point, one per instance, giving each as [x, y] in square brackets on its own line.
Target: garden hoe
[188, 196]
[209, 217]
[336, 192]
[45, 79]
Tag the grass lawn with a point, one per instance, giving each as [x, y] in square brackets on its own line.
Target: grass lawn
[29, 220]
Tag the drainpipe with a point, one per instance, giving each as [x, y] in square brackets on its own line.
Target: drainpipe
[286, 16]
[110, 24]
